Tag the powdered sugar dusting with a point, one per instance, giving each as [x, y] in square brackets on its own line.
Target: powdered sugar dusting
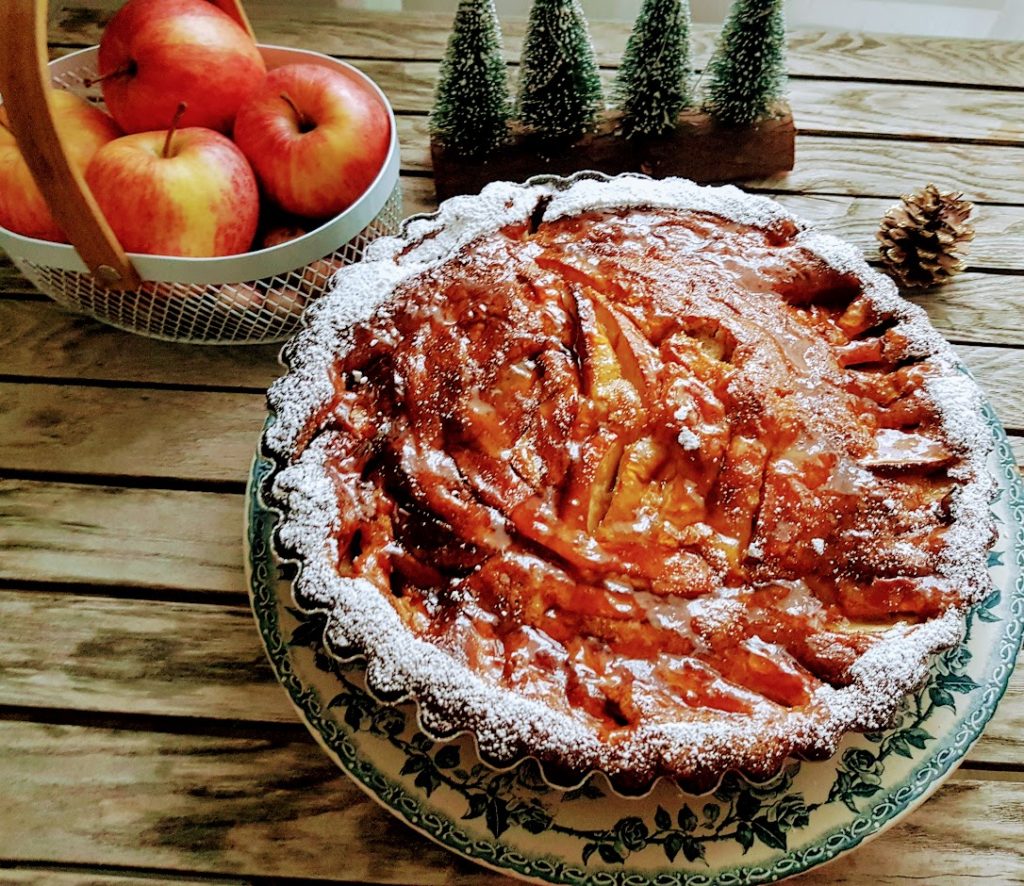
[506, 725]
[666, 193]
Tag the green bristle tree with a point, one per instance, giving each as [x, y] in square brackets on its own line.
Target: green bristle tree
[559, 88]
[748, 72]
[654, 83]
[472, 104]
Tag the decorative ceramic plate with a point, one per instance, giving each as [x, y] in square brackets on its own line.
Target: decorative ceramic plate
[514, 822]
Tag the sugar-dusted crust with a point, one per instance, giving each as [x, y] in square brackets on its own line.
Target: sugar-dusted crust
[453, 698]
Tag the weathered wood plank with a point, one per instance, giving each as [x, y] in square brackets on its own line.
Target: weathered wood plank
[423, 36]
[901, 57]
[63, 532]
[1017, 445]
[999, 371]
[887, 168]
[852, 166]
[124, 656]
[251, 806]
[139, 433]
[71, 533]
[417, 195]
[12, 283]
[998, 241]
[906, 110]
[187, 435]
[45, 340]
[245, 806]
[818, 105]
[36, 876]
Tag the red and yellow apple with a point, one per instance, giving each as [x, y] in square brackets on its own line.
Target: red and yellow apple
[316, 275]
[316, 137]
[189, 192]
[281, 233]
[83, 128]
[157, 53]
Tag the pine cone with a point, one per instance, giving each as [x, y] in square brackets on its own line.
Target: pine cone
[924, 237]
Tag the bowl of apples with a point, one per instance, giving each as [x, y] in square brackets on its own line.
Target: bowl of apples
[184, 182]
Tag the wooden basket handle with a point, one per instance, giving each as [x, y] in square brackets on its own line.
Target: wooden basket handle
[24, 84]
[235, 9]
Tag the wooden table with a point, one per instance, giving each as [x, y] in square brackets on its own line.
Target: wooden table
[143, 736]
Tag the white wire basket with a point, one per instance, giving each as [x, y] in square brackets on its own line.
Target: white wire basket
[240, 299]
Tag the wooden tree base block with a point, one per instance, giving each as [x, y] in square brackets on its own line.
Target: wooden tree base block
[698, 149]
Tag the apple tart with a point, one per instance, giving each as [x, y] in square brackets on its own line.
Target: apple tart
[633, 476]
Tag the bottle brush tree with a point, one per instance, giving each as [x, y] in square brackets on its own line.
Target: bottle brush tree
[653, 84]
[559, 87]
[472, 105]
[748, 71]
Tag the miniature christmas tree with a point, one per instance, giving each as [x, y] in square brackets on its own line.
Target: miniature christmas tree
[559, 89]
[653, 85]
[472, 105]
[560, 125]
[748, 72]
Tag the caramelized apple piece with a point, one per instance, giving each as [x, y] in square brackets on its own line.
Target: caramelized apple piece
[903, 449]
[766, 669]
[680, 501]
[807, 279]
[885, 387]
[575, 267]
[637, 467]
[859, 353]
[796, 618]
[434, 480]
[493, 481]
[700, 354]
[736, 496]
[860, 316]
[590, 479]
[882, 598]
[699, 686]
[585, 683]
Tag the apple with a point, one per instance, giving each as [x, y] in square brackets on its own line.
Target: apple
[181, 192]
[249, 305]
[84, 129]
[315, 276]
[316, 137]
[282, 233]
[157, 53]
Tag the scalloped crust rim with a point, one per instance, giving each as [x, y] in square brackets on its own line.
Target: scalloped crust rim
[508, 728]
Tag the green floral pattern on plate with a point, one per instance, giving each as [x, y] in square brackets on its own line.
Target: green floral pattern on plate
[513, 820]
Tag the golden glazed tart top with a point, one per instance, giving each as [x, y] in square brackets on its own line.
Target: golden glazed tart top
[631, 475]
